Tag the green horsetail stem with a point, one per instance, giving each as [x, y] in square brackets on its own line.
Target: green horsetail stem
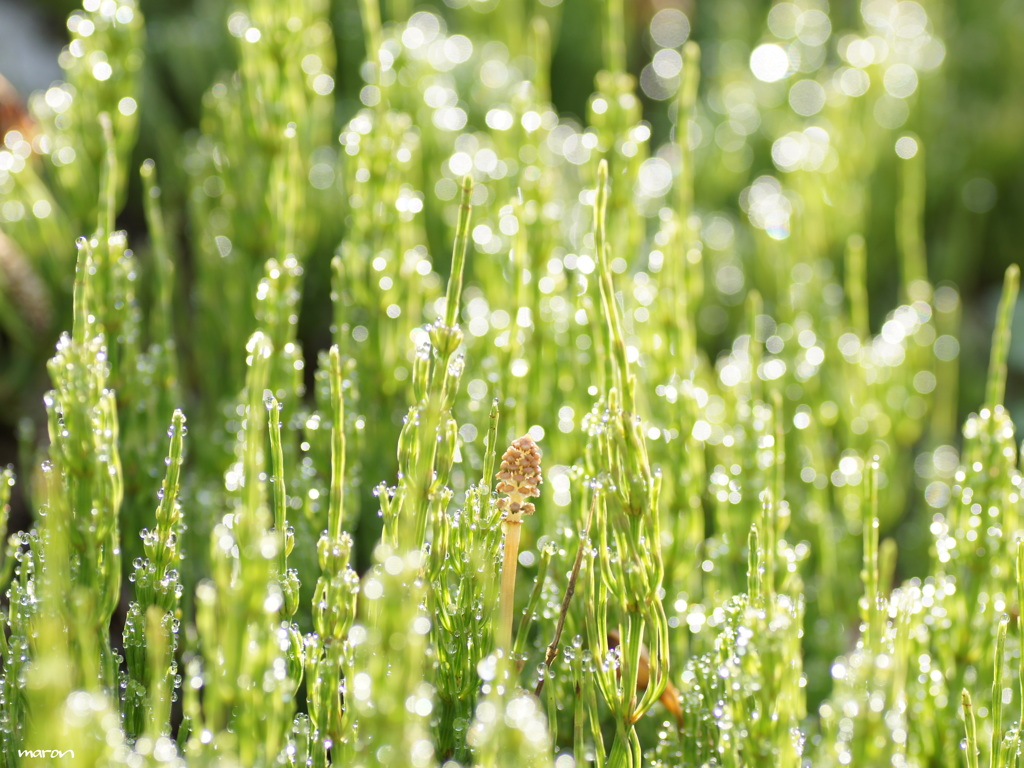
[761, 412]
[996, 390]
[971, 729]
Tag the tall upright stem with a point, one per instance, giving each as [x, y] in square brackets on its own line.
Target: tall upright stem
[508, 582]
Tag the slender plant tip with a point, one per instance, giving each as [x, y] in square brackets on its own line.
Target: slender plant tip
[996, 389]
[602, 180]
[454, 293]
[970, 727]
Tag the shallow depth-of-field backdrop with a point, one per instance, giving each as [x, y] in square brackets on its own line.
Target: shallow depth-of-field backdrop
[280, 281]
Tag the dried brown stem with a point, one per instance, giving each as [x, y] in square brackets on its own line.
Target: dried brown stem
[552, 651]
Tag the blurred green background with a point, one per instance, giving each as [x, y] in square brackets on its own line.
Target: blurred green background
[971, 123]
[970, 118]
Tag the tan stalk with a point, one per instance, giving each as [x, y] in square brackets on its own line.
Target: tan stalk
[518, 478]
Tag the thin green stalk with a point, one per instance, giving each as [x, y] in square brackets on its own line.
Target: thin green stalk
[108, 179]
[970, 728]
[7, 561]
[334, 603]
[869, 574]
[162, 320]
[997, 691]
[539, 52]
[1020, 627]
[768, 551]
[996, 390]
[856, 285]
[754, 568]
[686, 103]
[490, 448]
[151, 633]
[946, 422]
[529, 614]
[336, 504]
[278, 492]
[685, 268]
[614, 43]
[369, 11]
[161, 668]
[453, 296]
[910, 229]
[285, 534]
[610, 309]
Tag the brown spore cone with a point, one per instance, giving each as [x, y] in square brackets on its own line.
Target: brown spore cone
[519, 477]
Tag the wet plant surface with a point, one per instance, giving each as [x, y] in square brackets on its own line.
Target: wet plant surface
[249, 550]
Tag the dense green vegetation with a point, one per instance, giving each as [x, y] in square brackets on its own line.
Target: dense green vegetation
[762, 538]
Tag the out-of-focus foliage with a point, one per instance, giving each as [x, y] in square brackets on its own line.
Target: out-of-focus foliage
[696, 252]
